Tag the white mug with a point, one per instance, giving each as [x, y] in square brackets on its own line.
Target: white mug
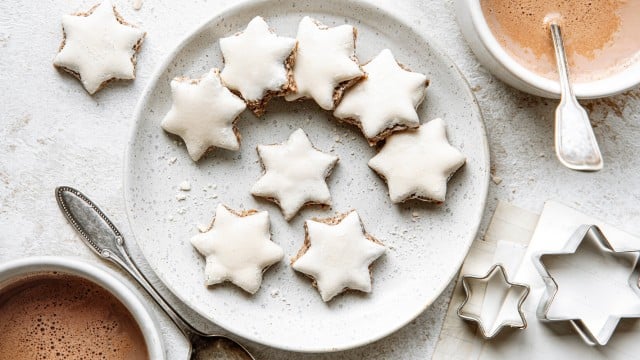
[493, 56]
[17, 269]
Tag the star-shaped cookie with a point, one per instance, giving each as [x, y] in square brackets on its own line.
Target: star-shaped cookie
[325, 62]
[337, 254]
[256, 63]
[98, 46]
[294, 174]
[385, 101]
[591, 284]
[417, 164]
[237, 248]
[493, 302]
[203, 114]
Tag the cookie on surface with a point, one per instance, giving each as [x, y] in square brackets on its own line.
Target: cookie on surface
[294, 174]
[237, 248]
[204, 114]
[385, 101]
[257, 64]
[337, 254]
[325, 64]
[417, 164]
[98, 46]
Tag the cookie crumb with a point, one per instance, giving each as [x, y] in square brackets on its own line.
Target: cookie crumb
[181, 197]
[172, 160]
[185, 186]
[496, 179]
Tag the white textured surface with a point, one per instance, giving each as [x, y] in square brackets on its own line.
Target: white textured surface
[53, 133]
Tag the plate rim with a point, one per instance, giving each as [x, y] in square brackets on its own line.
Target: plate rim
[237, 7]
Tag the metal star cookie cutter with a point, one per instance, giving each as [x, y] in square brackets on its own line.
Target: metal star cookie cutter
[498, 303]
[615, 305]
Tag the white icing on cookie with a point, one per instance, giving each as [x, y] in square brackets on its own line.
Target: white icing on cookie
[325, 58]
[98, 48]
[339, 256]
[237, 249]
[203, 114]
[294, 174]
[386, 99]
[254, 60]
[418, 164]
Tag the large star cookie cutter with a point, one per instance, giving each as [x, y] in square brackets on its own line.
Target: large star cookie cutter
[493, 301]
[591, 284]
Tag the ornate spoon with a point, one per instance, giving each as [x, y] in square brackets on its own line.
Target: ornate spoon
[99, 233]
[576, 145]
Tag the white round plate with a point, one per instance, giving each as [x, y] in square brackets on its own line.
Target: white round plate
[426, 243]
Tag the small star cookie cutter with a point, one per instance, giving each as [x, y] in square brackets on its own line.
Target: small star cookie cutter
[614, 306]
[493, 302]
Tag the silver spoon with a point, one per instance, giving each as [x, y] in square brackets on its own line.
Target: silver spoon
[576, 145]
[99, 233]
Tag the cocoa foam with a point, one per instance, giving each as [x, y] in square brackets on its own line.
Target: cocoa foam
[56, 316]
[600, 36]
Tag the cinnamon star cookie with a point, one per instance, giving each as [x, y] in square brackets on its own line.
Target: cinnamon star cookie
[98, 46]
[237, 248]
[385, 101]
[418, 164]
[203, 114]
[294, 174]
[325, 64]
[257, 64]
[337, 254]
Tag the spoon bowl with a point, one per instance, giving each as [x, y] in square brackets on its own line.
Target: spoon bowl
[576, 145]
[217, 347]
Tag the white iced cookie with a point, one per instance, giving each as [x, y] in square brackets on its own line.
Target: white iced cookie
[203, 114]
[256, 64]
[337, 254]
[237, 248]
[385, 101]
[325, 62]
[294, 174]
[418, 164]
[98, 46]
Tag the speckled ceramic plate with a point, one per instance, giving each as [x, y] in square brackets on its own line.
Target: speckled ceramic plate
[426, 243]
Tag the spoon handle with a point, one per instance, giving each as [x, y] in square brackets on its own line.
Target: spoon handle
[99, 233]
[563, 65]
[576, 145]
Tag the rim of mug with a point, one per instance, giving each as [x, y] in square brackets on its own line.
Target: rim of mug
[14, 270]
[615, 83]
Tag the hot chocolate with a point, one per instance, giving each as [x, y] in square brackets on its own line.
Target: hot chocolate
[600, 36]
[55, 316]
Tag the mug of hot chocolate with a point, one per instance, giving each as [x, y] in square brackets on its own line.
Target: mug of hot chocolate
[61, 308]
[513, 41]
